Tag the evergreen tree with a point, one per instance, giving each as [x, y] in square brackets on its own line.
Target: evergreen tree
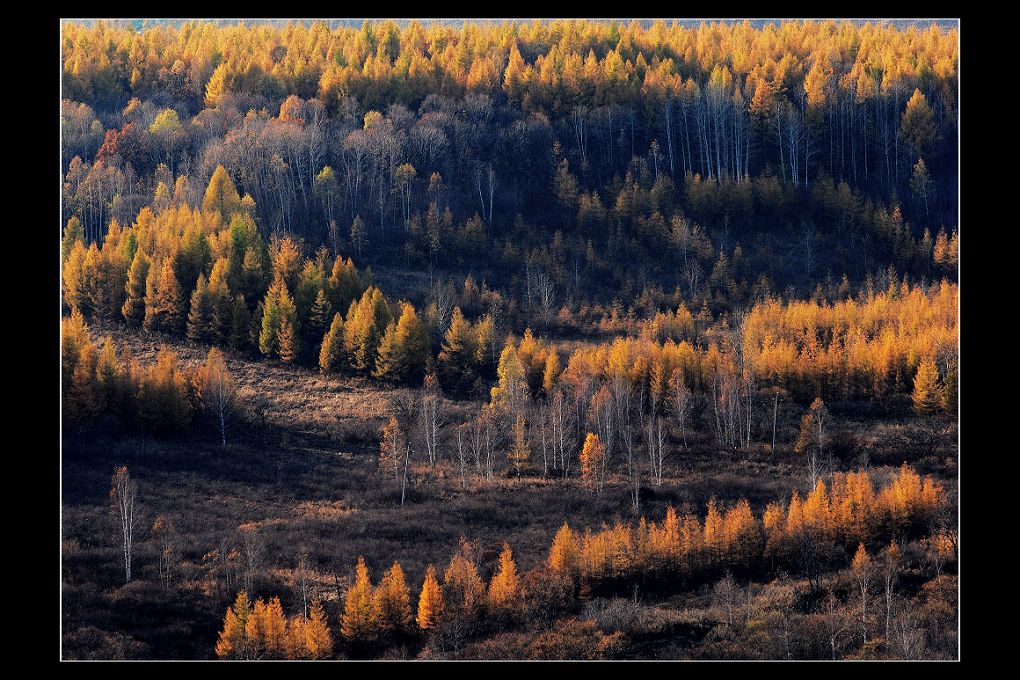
[331, 354]
[360, 621]
[240, 320]
[393, 601]
[221, 195]
[926, 387]
[430, 603]
[458, 355]
[200, 318]
[404, 349]
[133, 310]
[163, 300]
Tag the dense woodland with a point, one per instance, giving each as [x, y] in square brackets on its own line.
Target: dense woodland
[684, 296]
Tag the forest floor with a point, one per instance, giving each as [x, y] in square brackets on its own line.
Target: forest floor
[311, 484]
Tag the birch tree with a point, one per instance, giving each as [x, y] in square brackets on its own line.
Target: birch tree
[217, 391]
[124, 495]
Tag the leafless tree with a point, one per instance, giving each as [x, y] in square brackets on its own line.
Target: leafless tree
[165, 533]
[218, 392]
[253, 548]
[429, 421]
[124, 494]
[835, 623]
[303, 577]
[726, 594]
[681, 398]
[655, 435]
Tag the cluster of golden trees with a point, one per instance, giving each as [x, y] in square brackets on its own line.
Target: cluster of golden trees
[262, 631]
[375, 614]
[159, 398]
[801, 534]
[850, 513]
[870, 346]
[553, 65]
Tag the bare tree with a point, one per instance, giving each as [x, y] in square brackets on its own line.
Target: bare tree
[835, 622]
[124, 494]
[303, 577]
[656, 439]
[429, 418]
[253, 548]
[165, 533]
[217, 391]
[680, 395]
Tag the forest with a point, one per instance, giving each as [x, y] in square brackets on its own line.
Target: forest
[573, 339]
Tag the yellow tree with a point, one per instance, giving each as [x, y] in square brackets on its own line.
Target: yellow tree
[430, 602]
[360, 621]
[463, 588]
[519, 451]
[232, 643]
[565, 552]
[862, 568]
[926, 388]
[592, 455]
[505, 586]
[318, 639]
[393, 601]
[221, 195]
[332, 351]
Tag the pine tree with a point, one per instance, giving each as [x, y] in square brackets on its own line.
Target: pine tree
[926, 387]
[948, 394]
[360, 621]
[520, 452]
[331, 354]
[565, 552]
[164, 308]
[430, 603]
[73, 233]
[463, 588]
[289, 337]
[393, 602]
[505, 586]
[458, 355]
[512, 389]
[200, 317]
[233, 643]
[314, 330]
[404, 349]
[222, 302]
[221, 195]
[318, 639]
[364, 326]
[240, 321]
[592, 455]
[133, 310]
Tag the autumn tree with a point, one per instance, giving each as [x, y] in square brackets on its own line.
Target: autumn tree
[360, 620]
[233, 641]
[520, 451]
[133, 310]
[221, 195]
[505, 587]
[862, 568]
[405, 348]
[811, 437]
[393, 602]
[926, 387]
[164, 305]
[430, 603]
[331, 354]
[592, 456]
